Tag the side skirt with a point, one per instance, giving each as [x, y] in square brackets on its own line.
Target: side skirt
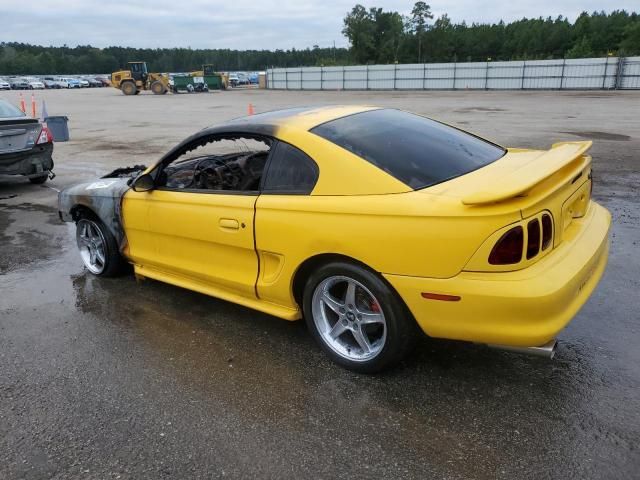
[190, 284]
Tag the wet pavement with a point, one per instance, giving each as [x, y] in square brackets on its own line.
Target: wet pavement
[114, 378]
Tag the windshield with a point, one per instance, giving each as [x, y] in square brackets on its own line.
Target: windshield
[418, 151]
[9, 111]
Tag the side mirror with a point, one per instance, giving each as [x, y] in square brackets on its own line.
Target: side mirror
[143, 183]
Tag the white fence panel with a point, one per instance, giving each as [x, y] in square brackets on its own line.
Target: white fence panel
[382, 77]
[410, 76]
[355, 78]
[312, 78]
[504, 75]
[332, 78]
[631, 78]
[581, 73]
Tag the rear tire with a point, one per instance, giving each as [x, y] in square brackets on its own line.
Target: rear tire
[129, 88]
[98, 248]
[39, 180]
[356, 318]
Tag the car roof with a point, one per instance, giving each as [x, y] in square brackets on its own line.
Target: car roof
[270, 123]
[297, 118]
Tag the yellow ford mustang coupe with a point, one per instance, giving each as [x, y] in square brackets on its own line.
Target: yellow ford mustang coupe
[370, 223]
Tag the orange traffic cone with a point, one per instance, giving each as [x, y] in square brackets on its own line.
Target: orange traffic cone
[22, 105]
[33, 106]
[251, 112]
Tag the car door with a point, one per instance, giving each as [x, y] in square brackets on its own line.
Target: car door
[197, 235]
[286, 217]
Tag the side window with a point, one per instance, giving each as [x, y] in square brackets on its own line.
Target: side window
[218, 163]
[290, 171]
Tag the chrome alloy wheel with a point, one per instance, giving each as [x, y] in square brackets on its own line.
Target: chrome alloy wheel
[92, 245]
[349, 318]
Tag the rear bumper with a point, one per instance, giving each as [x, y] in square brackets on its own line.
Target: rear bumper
[35, 162]
[523, 308]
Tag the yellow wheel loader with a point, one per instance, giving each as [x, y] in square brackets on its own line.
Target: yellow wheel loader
[136, 78]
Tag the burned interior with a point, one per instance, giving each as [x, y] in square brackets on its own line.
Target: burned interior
[223, 162]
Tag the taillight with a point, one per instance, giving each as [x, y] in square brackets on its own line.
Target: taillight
[533, 240]
[45, 136]
[508, 249]
[547, 231]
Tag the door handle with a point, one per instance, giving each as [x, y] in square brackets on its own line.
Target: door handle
[229, 223]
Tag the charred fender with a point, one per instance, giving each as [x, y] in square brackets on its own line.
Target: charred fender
[103, 197]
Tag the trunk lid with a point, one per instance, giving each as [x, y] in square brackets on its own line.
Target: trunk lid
[17, 134]
[557, 180]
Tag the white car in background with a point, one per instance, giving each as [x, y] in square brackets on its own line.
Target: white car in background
[62, 81]
[4, 85]
[50, 83]
[35, 84]
[84, 83]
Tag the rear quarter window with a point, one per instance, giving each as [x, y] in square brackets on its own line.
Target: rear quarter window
[418, 151]
[290, 171]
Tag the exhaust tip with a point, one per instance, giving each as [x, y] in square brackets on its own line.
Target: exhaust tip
[548, 350]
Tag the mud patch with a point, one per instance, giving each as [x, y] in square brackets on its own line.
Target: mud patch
[135, 148]
[614, 137]
[479, 109]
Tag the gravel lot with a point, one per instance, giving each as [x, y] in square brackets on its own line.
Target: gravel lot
[109, 378]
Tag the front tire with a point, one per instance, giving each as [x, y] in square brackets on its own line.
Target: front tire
[157, 88]
[356, 318]
[98, 248]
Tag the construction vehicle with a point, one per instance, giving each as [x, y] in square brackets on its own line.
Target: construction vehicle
[137, 78]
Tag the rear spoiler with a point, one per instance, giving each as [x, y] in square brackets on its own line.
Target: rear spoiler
[526, 177]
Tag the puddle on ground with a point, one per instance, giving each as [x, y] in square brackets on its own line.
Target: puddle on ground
[616, 137]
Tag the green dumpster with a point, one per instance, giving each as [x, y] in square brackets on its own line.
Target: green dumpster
[194, 83]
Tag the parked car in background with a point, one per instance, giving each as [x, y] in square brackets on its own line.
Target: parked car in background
[18, 84]
[83, 83]
[243, 79]
[253, 78]
[50, 83]
[105, 81]
[71, 82]
[62, 82]
[35, 84]
[4, 85]
[233, 79]
[26, 145]
[93, 82]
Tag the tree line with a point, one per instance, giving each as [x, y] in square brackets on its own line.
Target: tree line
[379, 36]
[375, 36]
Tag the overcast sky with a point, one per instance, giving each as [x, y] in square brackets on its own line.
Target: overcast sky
[237, 24]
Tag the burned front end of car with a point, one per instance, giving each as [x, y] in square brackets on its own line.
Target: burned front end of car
[101, 199]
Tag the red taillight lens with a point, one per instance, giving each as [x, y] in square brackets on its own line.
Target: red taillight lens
[45, 136]
[547, 231]
[533, 242]
[508, 249]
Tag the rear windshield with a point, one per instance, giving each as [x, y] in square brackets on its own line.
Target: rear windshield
[9, 111]
[417, 151]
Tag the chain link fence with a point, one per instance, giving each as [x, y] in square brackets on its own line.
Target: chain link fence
[567, 74]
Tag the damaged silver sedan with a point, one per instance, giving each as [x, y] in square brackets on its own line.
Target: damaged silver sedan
[26, 146]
